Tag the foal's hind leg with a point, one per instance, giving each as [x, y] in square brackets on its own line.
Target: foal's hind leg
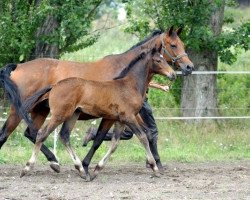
[9, 126]
[118, 129]
[65, 138]
[42, 135]
[38, 116]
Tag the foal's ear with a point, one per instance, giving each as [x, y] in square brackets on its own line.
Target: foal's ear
[170, 31]
[179, 30]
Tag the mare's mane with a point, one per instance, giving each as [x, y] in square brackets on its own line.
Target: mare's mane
[155, 33]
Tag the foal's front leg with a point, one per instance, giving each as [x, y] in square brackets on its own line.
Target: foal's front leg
[103, 128]
[118, 129]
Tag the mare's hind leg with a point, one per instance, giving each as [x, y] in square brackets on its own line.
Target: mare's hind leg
[118, 129]
[65, 138]
[42, 135]
[134, 126]
[9, 126]
[38, 116]
[103, 128]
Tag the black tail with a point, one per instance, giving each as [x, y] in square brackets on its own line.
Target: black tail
[12, 90]
[31, 101]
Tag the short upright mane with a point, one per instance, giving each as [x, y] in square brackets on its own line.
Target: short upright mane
[130, 65]
[156, 32]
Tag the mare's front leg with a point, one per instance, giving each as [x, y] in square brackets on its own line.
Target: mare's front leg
[103, 128]
[118, 129]
[38, 116]
[65, 138]
[42, 135]
[134, 126]
[9, 126]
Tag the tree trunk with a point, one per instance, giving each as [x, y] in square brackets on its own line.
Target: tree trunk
[43, 48]
[199, 95]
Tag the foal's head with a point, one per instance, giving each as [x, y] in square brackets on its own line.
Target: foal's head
[160, 66]
[174, 51]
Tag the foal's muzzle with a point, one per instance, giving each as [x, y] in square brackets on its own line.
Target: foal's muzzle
[172, 76]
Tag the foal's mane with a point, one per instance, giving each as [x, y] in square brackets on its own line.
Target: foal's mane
[141, 56]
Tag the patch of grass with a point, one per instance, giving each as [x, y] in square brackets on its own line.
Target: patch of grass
[178, 141]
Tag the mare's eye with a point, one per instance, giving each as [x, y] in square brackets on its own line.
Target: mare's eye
[173, 45]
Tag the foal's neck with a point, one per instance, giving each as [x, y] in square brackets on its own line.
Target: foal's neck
[139, 75]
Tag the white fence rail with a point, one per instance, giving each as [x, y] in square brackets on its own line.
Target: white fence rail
[215, 72]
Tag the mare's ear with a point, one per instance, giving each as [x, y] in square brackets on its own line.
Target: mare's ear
[179, 30]
[170, 31]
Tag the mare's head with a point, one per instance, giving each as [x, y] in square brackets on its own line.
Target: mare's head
[174, 51]
[160, 66]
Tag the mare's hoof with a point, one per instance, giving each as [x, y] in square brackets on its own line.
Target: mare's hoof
[55, 166]
[90, 177]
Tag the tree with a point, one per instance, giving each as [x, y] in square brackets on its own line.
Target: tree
[202, 21]
[35, 28]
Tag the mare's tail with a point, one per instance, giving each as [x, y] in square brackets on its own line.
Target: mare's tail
[29, 103]
[12, 90]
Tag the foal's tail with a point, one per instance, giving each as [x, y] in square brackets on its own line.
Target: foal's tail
[30, 102]
[12, 90]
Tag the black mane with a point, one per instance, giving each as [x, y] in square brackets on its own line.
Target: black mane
[140, 56]
[130, 65]
[156, 32]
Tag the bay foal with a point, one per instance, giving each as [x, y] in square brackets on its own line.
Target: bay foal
[116, 100]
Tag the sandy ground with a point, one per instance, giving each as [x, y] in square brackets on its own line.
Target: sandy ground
[229, 180]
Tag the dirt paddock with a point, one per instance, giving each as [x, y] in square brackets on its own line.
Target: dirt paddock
[229, 180]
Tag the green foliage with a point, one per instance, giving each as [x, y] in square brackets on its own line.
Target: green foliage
[195, 16]
[233, 90]
[239, 38]
[20, 21]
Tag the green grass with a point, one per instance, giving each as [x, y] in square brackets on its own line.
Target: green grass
[178, 141]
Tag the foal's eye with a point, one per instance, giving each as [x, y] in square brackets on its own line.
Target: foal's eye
[173, 45]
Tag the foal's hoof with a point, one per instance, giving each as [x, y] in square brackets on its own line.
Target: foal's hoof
[23, 173]
[155, 175]
[55, 166]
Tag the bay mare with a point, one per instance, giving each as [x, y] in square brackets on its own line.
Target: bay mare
[23, 80]
[117, 100]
